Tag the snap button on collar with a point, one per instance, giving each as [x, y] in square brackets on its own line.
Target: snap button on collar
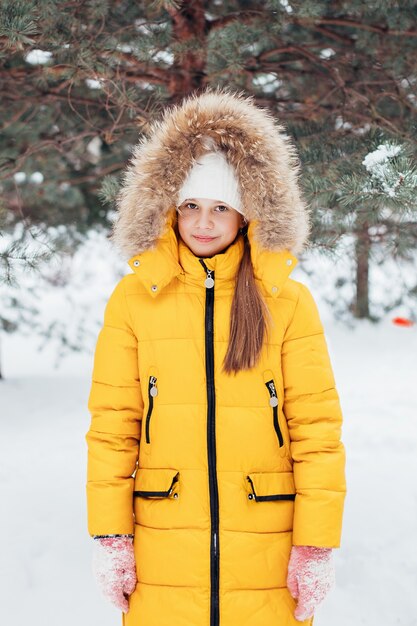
[136, 263]
[274, 289]
[154, 287]
[289, 261]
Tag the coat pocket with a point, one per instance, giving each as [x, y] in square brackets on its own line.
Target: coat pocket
[267, 486]
[156, 483]
[152, 393]
[274, 404]
[156, 497]
[270, 502]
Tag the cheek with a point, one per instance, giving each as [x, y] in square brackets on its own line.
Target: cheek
[232, 229]
[182, 229]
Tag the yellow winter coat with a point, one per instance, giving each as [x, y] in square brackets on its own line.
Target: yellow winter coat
[216, 476]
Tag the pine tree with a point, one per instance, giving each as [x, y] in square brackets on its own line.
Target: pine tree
[364, 190]
[81, 80]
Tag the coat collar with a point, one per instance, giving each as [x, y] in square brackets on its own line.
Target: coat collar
[156, 267]
[225, 265]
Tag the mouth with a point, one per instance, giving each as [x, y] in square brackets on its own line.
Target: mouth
[204, 239]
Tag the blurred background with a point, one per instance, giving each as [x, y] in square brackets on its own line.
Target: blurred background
[80, 82]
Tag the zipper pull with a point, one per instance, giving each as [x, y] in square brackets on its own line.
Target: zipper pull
[209, 282]
[153, 389]
[273, 400]
[215, 543]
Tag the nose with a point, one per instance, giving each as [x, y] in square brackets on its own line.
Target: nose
[204, 219]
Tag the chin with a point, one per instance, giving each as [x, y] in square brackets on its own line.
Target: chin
[207, 249]
[204, 250]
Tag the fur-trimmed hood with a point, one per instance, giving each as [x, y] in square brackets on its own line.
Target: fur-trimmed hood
[263, 155]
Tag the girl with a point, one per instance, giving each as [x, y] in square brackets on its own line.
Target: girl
[216, 478]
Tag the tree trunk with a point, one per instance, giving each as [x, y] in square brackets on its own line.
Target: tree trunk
[188, 72]
[362, 248]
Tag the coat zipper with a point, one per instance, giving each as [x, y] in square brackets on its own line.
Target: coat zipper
[211, 447]
[152, 392]
[273, 401]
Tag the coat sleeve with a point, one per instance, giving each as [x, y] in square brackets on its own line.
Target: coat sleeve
[116, 407]
[314, 417]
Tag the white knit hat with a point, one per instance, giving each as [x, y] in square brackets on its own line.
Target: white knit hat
[212, 177]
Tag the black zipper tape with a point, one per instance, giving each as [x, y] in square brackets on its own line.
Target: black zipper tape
[274, 496]
[270, 385]
[157, 494]
[151, 385]
[211, 447]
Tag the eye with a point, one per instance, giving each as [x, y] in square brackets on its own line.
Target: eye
[222, 206]
[190, 204]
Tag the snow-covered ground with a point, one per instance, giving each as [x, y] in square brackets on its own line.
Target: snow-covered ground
[45, 571]
[45, 575]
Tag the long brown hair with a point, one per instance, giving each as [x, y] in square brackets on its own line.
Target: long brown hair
[248, 317]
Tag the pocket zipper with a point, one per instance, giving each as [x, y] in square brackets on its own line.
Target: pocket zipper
[273, 402]
[152, 393]
[160, 494]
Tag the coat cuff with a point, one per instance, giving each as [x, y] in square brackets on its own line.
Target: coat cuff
[318, 517]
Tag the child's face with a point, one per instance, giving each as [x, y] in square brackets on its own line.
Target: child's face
[207, 226]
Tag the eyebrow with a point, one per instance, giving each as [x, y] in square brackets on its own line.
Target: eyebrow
[214, 201]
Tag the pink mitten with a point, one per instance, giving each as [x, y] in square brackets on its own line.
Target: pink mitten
[310, 577]
[114, 569]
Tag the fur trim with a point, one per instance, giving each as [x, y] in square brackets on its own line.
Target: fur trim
[265, 159]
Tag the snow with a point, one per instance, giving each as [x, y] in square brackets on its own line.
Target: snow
[94, 146]
[269, 82]
[326, 53]
[111, 556]
[93, 83]
[286, 5]
[382, 153]
[38, 57]
[340, 123]
[19, 177]
[46, 573]
[379, 167]
[311, 576]
[58, 303]
[163, 55]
